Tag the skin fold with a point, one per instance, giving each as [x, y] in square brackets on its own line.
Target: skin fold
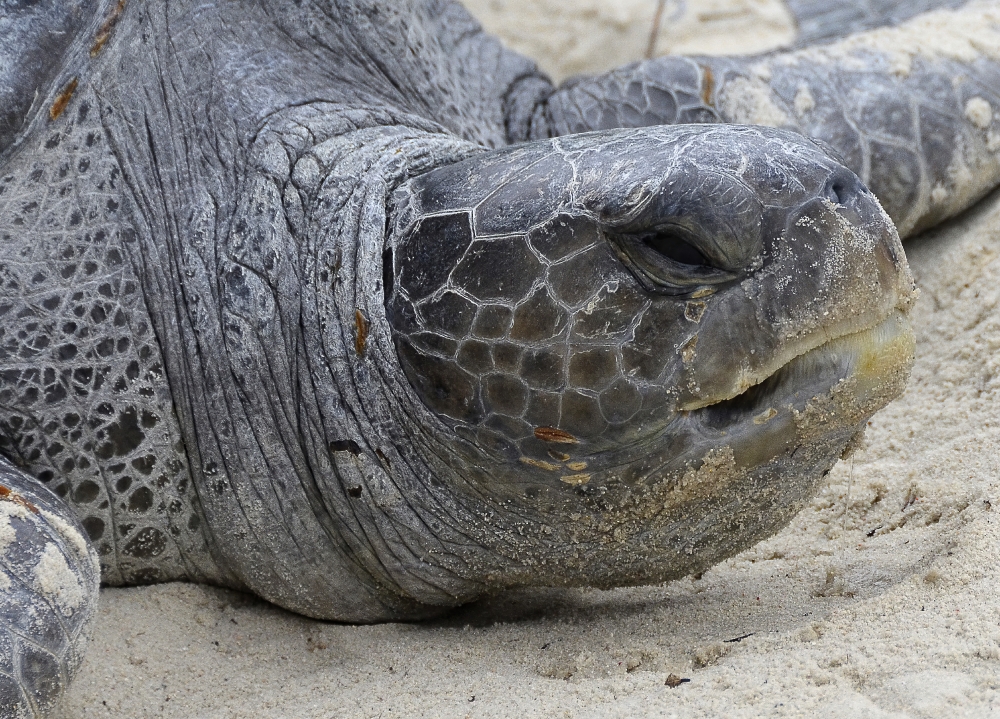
[346, 305]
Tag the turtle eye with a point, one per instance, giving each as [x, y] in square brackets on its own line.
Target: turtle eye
[668, 260]
[674, 247]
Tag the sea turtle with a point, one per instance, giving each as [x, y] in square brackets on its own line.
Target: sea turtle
[341, 303]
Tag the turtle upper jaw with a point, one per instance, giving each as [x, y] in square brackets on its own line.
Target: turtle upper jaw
[716, 380]
[839, 383]
[745, 378]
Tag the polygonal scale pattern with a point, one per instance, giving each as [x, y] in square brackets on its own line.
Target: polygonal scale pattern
[507, 334]
[84, 404]
[669, 91]
[523, 316]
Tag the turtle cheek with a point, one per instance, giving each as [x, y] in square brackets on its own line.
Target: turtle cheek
[718, 358]
[836, 269]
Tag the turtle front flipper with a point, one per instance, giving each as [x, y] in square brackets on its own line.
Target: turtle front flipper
[49, 579]
[819, 20]
[914, 118]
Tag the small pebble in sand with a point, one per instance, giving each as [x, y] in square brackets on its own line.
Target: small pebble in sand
[674, 681]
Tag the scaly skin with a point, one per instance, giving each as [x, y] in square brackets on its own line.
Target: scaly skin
[280, 311]
[914, 119]
[819, 20]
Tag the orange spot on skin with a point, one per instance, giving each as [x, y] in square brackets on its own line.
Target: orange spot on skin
[361, 336]
[107, 27]
[540, 464]
[694, 311]
[11, 496]
[551, 434]
[708, 87]
[63, 99]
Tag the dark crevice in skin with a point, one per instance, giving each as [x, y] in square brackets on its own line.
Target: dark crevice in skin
[669, 261]
[722, 415]
[346, 445]
[388, 275]
[674, 247]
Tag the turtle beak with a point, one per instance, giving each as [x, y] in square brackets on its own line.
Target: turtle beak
[839, 384]
[844, 283]
[838, 271]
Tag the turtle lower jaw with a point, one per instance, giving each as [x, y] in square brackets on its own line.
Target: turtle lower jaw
[840, 383]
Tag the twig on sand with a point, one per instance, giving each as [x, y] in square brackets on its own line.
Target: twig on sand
[654, 33]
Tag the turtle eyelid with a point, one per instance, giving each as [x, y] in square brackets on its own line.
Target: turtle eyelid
[667, 261]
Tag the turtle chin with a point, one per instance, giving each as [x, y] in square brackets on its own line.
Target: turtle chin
[838, 384]
[732, 473]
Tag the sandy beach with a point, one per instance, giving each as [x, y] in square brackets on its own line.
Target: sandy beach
[879, 600]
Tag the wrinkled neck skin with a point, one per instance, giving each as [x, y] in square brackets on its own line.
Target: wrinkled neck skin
[378, 493]
[258, 243]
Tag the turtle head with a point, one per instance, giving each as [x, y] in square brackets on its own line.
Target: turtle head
[647, 327]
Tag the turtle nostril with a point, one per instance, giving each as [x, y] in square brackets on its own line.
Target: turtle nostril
[842, 188]
[835, 193]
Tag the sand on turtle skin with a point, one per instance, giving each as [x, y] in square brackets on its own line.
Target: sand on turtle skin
[880, 600]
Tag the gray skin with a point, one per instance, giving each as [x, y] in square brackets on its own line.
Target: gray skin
[281, 312]
[819, 20]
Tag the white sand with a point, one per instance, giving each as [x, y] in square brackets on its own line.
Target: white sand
[568, 37]
[880, 600]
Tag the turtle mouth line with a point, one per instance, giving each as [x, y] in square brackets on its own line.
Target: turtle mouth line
[869, 357]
